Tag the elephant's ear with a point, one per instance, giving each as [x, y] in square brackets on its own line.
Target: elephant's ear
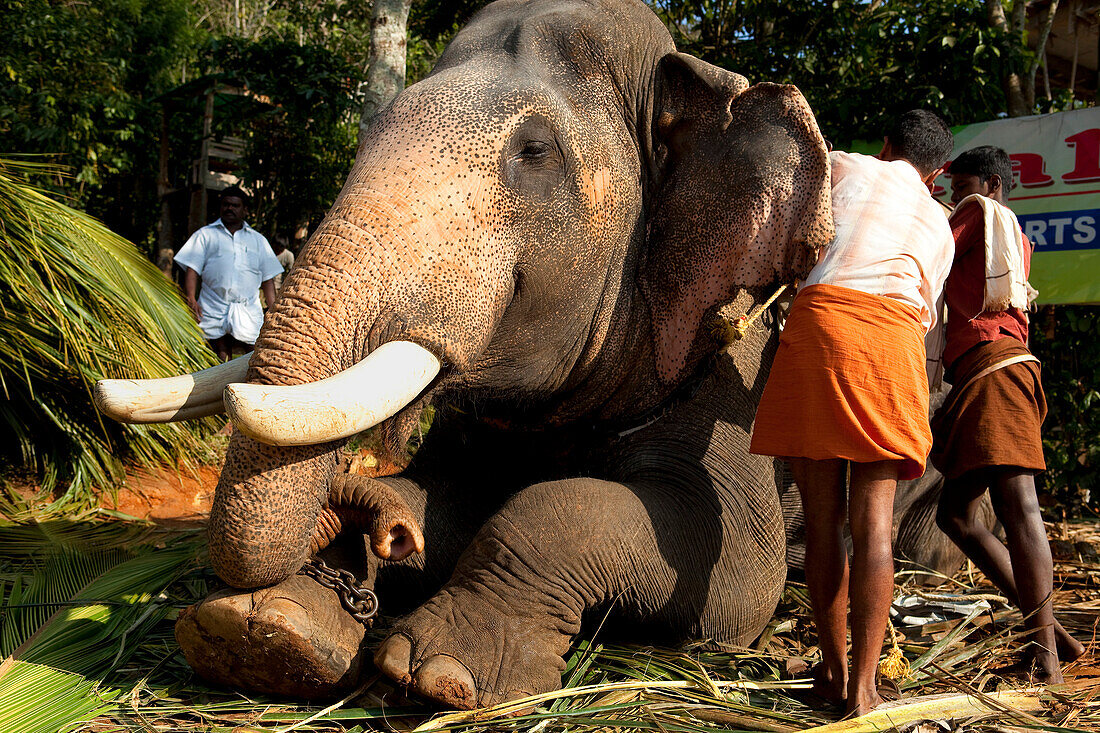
[743, 198]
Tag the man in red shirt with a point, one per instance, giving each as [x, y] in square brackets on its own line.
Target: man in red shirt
[987, 434]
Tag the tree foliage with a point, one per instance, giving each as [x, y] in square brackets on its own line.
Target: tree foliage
[339, 26]
[76, 83]
[860, 64]
[1067, 341]
[87, 79]
[301, 146]
[77, 75]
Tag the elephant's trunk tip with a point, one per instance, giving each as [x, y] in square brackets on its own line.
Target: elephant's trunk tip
[398, 541]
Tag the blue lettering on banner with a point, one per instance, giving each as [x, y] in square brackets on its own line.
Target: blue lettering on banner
[1062, 230]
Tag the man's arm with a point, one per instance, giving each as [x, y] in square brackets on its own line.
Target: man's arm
[192, 259]
[268, 286]
[190, 285]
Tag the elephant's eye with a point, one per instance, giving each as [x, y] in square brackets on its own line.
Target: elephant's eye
[534, 163]
[535, 149]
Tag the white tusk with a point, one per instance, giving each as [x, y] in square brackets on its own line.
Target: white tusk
[170, 399]
[360, 397]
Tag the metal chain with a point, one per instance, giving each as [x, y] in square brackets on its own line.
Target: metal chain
[360, 601]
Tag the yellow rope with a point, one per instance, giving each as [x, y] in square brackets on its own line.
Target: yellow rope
[727, 332]
[895, 666]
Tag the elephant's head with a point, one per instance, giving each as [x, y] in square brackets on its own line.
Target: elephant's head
[563, 195]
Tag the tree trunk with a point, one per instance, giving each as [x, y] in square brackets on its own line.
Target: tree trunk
[165, 252]
[1041, 52]
[386, 74]
[1075, 29]
[1014, 83]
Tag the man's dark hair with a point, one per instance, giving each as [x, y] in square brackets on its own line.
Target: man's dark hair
[983, 161]
[235, 191]
[922, 138]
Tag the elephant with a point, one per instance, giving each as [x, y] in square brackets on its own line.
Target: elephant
[538, 239]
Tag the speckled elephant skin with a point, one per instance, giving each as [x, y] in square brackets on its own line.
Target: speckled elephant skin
[557, 212]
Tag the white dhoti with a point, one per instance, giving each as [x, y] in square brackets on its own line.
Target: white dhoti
[239, 318]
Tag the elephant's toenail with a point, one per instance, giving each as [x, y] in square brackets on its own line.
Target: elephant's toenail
[287, 615]
[394, 659]
[447, 680]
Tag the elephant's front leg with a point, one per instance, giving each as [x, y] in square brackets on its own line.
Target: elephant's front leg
[499, 628]
[296, 638]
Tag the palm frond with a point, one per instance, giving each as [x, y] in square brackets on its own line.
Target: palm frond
[71, 593]
[77, 601]
[38, 699]
[89, 634]
[77, 304]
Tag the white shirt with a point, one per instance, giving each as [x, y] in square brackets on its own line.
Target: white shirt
[231, 266]
[892, 238]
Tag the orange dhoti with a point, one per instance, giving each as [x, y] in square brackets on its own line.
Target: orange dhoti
[848, 382]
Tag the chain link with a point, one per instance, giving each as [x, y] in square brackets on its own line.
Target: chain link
[360, 601]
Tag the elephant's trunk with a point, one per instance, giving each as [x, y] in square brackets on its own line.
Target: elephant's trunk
[373, 508]
[266, 509]
[270, 499]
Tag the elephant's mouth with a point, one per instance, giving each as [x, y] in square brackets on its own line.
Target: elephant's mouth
[375, 389]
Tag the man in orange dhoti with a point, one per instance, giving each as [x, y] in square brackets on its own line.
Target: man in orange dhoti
[848, 388]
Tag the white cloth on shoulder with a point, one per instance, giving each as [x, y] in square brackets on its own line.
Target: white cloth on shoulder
[1006, 284]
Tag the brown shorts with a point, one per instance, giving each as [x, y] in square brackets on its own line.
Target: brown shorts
[993, 420]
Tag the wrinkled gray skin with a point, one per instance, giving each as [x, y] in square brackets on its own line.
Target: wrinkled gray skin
[556, 212]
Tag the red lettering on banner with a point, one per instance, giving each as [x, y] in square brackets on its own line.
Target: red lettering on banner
[1031, 169]
[1086, 156]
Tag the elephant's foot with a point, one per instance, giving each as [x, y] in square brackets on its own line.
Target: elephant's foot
[466, 650]
[294, 638]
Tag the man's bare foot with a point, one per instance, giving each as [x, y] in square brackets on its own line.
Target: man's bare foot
[1045, 669]
[1068, 647]
[826, 687]
[861, 703]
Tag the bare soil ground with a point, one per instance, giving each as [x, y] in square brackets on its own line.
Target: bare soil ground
[185, 494]
[164, 494]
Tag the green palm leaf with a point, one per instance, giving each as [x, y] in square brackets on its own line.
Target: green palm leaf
[77, 601]
[79, 303]
[39, 699]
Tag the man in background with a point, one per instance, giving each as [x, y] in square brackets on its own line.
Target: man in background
[235, 262]
[285, 258]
